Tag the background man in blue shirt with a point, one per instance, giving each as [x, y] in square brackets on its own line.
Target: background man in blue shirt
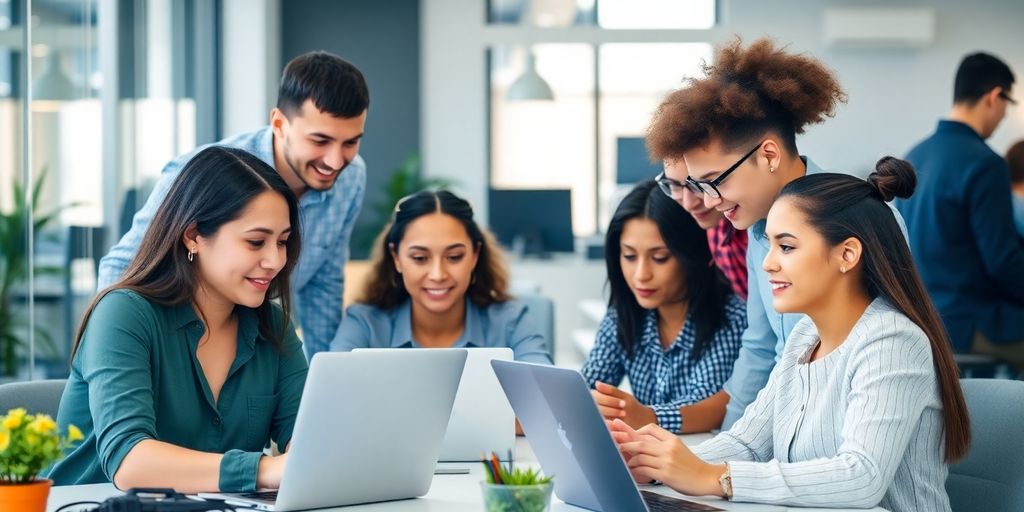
[960, 219]
[313, 143]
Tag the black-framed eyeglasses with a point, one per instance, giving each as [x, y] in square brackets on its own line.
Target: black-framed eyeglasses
[1003, 95]
[710, 187]
[674, 188]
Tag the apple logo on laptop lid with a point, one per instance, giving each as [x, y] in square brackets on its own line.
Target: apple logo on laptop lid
[563, 437]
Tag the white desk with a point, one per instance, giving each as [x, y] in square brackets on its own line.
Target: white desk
[448, 493]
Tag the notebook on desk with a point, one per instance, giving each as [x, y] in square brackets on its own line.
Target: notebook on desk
[369, 428]
[572, 442]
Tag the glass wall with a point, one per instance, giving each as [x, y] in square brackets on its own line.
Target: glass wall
[570, 103]
[95, 97]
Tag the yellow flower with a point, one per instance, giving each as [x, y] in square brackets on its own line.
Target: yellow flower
[13, 419]
[5, 440]
[43, 424]
[31, 439]
[74, 434]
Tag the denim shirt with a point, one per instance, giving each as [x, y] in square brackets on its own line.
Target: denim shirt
[767, 329]
[502, 324]
[326, 217]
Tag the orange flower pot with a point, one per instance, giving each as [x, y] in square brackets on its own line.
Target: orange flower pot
[25, 497]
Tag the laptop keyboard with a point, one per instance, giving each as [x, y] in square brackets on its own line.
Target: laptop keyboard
[661, 503]
[261, 495]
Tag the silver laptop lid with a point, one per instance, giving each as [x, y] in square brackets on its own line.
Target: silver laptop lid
[569, 437]
[369, 427]
[482, 420]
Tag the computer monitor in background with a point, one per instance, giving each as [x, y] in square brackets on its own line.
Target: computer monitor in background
[532, 222]
[632, 163]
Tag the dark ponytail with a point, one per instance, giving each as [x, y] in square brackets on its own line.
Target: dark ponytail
[839, 207]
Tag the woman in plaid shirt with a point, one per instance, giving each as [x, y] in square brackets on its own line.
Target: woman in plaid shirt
[673, 325]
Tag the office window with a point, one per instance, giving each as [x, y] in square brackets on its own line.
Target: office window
[633, 79]
[92, 142]
[599, 97]
[609, 14]
[530, 137]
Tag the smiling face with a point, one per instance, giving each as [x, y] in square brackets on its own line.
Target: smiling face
[653, 274]
[692, 202]
[312, 148]
[237, 264]
[436, 259]
[803, 271]
[748, 192]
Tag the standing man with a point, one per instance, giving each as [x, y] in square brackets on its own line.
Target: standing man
[313, 143]
[960, 219]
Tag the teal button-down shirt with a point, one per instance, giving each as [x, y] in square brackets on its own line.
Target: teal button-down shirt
[136, 377]
[502, 324]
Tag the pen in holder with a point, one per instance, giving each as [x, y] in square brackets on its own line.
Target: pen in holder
[508, 489]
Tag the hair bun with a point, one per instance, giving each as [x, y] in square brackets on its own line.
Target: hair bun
[893, 178]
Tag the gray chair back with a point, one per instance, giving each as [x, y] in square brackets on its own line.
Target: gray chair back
[543, 310]
[36, 396]
[991, 477]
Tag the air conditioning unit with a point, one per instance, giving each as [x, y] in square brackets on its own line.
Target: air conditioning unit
[878, 27]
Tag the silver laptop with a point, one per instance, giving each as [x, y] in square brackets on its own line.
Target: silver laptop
[369, 428]
[572, 442]
[482, 420]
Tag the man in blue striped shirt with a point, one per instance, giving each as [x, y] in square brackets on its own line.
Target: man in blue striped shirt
[313, 143]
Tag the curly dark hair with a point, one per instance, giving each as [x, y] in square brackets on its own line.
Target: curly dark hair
[745, 94]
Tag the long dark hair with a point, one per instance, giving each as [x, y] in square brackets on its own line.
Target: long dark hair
[705, 288]
[213, 189]
[384, 287]
[840, 207]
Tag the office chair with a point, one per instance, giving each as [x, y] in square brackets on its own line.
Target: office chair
[41, 396]
[542, 308]
[991, 477]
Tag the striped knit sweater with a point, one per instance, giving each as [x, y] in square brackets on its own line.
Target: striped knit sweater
[858, 428]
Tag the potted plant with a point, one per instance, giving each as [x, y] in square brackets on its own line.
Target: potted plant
[508, 489]
[28, 444]
[14, 273]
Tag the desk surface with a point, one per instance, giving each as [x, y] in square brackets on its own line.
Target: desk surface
[448, 493]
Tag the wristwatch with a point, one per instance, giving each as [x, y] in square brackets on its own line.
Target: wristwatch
[726, 482]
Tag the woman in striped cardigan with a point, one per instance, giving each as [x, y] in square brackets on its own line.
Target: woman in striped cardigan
[864, 408]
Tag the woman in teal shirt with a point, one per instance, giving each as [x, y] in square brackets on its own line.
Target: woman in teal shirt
[438, 281]
[184, 370]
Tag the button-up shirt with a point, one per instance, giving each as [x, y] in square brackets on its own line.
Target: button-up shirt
[136, 376]
[327, 219]
[502, 324]
[667, 379]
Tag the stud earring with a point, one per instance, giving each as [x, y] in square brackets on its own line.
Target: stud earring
[771, 169]
[842, 269]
